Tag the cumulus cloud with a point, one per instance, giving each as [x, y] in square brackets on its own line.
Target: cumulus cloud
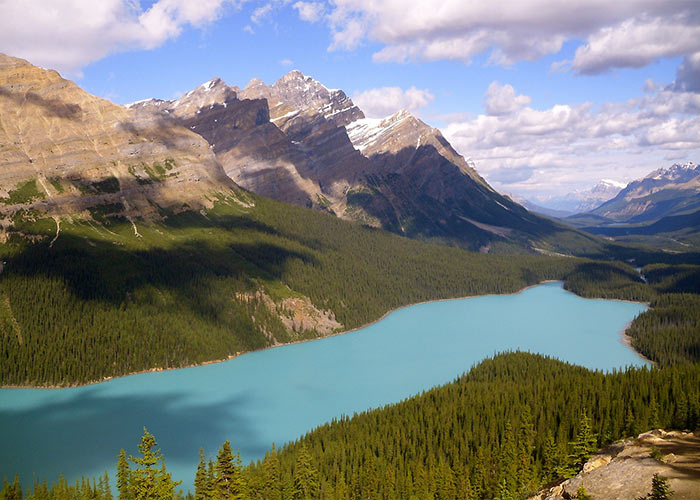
[310, 11]
[384, 101]
[260, 13]
[69, 34]
[565, 147]
[637, 42]
[688, 74]
[627, 34]
[501, 99]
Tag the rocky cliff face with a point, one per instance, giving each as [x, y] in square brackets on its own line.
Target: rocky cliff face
[63, 150]
[300, 142]
[624, 469]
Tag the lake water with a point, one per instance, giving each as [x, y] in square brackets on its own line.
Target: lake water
[279, 394]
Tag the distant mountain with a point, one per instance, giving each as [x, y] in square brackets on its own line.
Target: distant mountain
[583, 200]
[534, 207]
[662, 209]
[300, 142]
[661, 193]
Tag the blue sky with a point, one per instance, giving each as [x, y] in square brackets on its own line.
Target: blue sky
[546, 98]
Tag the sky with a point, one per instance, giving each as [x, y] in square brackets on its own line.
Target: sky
[545, 96]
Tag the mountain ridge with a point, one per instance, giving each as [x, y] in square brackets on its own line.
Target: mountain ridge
[312, 146]
[63, 151]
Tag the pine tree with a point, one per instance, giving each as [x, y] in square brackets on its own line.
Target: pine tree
[211, 482]
[106, 490]
[631, 428]
[306, 484]
[660, 489]
[124, 477]
[272, 487]
[147, 481]
[201, 486]
[229, 483]
[584, 445]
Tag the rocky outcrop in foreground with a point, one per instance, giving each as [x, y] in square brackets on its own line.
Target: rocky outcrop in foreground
[624, 469]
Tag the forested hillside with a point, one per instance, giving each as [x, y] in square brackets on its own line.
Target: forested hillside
[503, 430]
[509, 426]
[104, 296]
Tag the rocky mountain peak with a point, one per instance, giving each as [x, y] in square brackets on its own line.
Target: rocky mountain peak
[676, 173]
[296, 93]
[80, 150]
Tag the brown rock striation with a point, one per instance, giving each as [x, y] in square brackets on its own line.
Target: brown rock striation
[82, 150]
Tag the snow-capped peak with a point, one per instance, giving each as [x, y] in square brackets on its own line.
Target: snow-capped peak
[210, 84]
[613, 183]
[675, 172]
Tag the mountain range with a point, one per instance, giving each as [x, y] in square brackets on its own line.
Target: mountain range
[662, 208]
[581, 200]
[299, 142]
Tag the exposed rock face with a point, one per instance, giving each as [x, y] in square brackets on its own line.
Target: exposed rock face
[300, 142]
[624, 470]
[82, 150]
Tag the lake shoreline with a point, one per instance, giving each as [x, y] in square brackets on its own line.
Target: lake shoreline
[624, 339]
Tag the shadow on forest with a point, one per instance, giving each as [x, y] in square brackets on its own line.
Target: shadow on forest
[95, 269]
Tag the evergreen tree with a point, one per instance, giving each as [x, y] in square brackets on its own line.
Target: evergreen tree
[147, 481]
[584, 445]
[106, 492]
[660, 489]
[201, 483]
[306, 484]
[124, 477]
[272, 486]
[229, 483]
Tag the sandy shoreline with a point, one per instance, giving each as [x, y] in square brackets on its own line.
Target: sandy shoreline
[624, 339]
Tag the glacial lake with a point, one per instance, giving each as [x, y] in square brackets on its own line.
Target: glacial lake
[279, 394]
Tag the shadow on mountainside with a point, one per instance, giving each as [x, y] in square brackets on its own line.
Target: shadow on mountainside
[53, 107]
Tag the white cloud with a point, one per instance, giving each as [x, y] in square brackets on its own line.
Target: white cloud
[566, 147]
[501, 99]
[260, 13]
[624, 34]
[286, 62]
[69, 34]
[310, 11]
[688, 74]
[384, 101]
[637, 42]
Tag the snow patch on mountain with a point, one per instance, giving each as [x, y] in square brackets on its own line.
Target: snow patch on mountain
[365, 132]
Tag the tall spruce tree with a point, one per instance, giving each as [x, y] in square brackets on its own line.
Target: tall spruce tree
[201, 480]
[306, 484]
[124, 477]
[147, 481]
[272, 486]
[229, 483]
[584, 445]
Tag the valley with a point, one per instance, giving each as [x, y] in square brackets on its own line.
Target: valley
[154, 254]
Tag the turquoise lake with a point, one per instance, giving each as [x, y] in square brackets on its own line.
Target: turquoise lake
[279, 394]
